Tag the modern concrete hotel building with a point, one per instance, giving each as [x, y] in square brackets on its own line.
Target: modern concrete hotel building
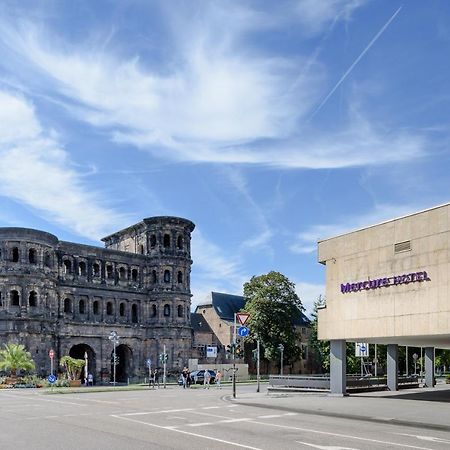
[388, 284]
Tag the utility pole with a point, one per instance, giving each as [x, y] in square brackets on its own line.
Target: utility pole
[258, 378]
[234, 357]
[164, 365]
[281, 348]
[114, 338]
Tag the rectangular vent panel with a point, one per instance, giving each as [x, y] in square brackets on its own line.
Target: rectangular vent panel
[402, 247]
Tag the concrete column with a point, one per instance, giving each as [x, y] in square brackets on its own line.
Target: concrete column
[338, 367]
[429, 367]
[392, 367]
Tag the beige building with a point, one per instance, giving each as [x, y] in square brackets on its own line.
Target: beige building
[388, 284]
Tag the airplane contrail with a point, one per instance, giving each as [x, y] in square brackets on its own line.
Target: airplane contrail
[356, 61]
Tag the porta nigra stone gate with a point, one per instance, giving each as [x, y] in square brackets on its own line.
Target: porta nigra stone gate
[69, 297]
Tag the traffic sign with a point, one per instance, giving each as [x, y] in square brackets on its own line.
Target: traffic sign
[148, 362]
[361, 349]
[243, 331]
[51, 353]
[242, 317]
[51, 378]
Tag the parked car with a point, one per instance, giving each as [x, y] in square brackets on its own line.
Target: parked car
[198, 376]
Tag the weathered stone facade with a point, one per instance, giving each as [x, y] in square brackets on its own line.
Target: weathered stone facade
[69, 297]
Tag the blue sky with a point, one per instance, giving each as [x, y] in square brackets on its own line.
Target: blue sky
[268, 124]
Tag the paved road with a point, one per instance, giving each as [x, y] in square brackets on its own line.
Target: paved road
[187, 419]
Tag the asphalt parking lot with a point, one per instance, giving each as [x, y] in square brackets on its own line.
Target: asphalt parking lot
[175, 418]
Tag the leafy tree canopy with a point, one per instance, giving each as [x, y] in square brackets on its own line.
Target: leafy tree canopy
[14, 357]
[73, 366]
[273, 306]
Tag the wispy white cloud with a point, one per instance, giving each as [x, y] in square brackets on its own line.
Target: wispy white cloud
[218, 100]
[306, 241]
[37, 172]
[308, 294]
[315, 15]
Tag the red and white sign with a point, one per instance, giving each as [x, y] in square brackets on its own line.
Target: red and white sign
[51, 353]
[242, 317]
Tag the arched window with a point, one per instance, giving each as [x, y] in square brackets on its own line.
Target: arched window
[134, 274]
[32, 256]
[153, 311]
[134, 313]
[95, 308]
[81, 307]
[48, 260]
[67, 266]
[82, 268]
[180, 311]
[32, 299]
[152, 241]
[180, 277]
[67, 305]
[122, 273]
[96, 269]
[167, 240]
[180, 243]
[154, 277]
[141, 249]
[15, 299]
[166, 276]
[15, 254]
[122, 309]
[167, 310]
[109, 271]
[109, 309]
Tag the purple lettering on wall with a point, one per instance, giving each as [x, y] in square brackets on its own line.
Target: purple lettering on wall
[385, 282]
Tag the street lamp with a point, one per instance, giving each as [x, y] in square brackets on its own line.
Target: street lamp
[281, 348]
[114, 338]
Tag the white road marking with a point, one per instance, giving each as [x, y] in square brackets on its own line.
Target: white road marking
[240, 419]
[426, 438]
[270, 416]
[188, 433]
[157, 412]
[199, 424]
[347, 436]
[326, 447]
[211, 407]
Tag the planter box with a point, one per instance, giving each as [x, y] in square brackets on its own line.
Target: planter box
[74, 383]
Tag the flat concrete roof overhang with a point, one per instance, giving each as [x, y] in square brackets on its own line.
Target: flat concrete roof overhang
[441, 341]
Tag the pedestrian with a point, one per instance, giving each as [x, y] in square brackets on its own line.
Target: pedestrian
[151, 379]
[90, 379]
[184, 375]
[218, 379]
[156, 378]
[206, 379]
[189, 379]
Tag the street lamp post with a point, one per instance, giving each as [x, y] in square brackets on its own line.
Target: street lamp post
[281, 348]
[114, 338]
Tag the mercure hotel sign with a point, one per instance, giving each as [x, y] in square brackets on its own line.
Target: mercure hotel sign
[377, 283]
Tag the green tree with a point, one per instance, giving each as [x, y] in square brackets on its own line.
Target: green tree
[73, 366]
[273, 305]
[14, 357]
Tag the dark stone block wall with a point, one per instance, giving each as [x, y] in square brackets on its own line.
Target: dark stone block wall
[69, 297]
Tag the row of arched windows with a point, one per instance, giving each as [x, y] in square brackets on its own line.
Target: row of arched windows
[167, 241]
[167, 276]
[68, 309]
[14, 298]
[81, 270]
[32, 256]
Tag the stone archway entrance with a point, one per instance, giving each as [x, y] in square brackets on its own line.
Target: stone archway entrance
[124, 367]
[78, 351]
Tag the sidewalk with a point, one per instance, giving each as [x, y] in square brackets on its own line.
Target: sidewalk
[420, 408]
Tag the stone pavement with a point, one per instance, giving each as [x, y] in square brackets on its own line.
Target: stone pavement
[422, 408]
